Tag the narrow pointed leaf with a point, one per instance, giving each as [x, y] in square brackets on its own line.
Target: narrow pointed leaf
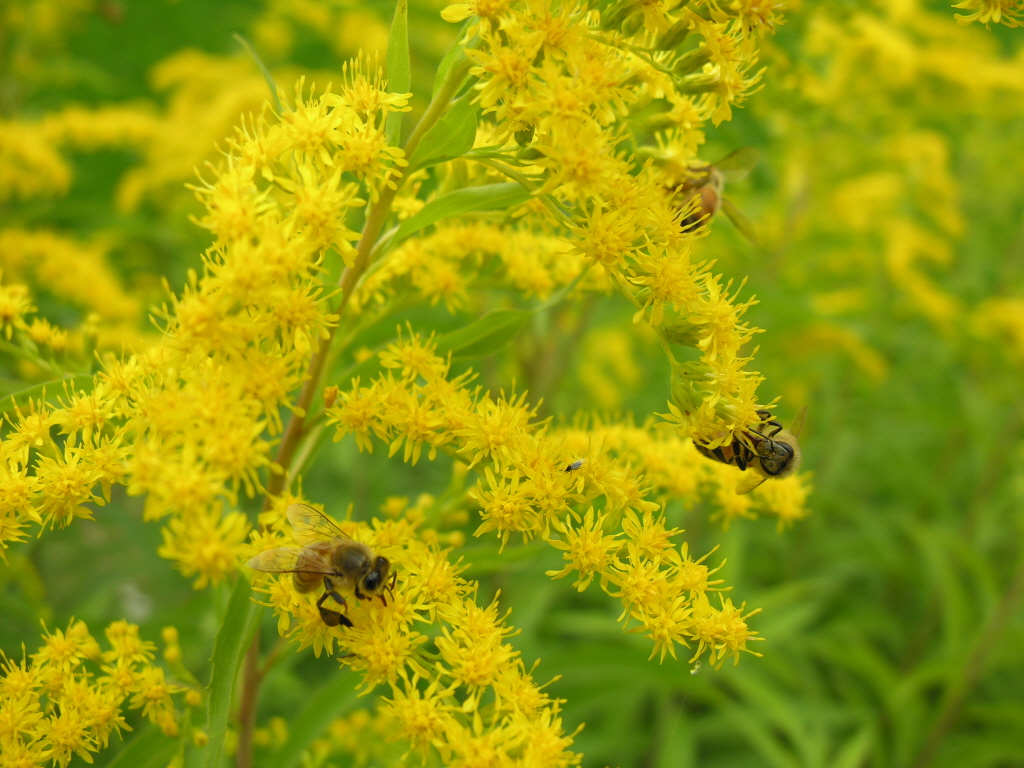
[150, 748]
[484, 336]
[451, 137]
[486, 198]
[78, 383]
[455, 55]
[399, 67]
[236, 632]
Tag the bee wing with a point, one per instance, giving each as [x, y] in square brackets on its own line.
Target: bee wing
[739, 220]
[750, 480]
[736, 165]
[798, 422]
[285, 560]
[310, 525]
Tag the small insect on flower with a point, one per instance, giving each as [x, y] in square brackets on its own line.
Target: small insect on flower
[575, 465]
[705, 185]
[329, 557]
[767, 449]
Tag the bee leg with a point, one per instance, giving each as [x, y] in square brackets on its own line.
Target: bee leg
[329, 617]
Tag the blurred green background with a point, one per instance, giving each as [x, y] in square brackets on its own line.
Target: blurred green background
[889, 274]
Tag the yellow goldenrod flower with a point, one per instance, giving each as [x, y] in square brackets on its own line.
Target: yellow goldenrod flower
[588, 550]
[14, 305]
[1008, 12]
[55, 707]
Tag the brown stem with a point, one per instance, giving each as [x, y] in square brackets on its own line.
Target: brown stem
[957, 693]
[252, 677]
[349, 278]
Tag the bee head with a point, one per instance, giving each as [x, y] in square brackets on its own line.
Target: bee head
[374, 581]
[779, 457]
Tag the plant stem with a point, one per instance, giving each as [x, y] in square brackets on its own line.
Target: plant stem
[252, 677]
[349, 279]
[290, 442]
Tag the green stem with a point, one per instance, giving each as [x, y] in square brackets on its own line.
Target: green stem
[297, 425]
[526, 181]
[247, 707]
[349, 279]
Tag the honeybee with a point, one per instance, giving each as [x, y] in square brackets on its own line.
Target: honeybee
[329, 557]
[767, 449]
[705, 184]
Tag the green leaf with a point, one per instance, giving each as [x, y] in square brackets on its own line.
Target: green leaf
[481, 337]
[854, 752]
[489, 197]
[331, 701]
[275, 94]
[484, 336]
[149, 749]
[456, 54]
[236, 632]
[450, 137]
[399, 67]
[78, 383]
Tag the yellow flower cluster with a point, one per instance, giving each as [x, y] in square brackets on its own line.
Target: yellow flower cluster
[31, 159]
[524, 488]
[188, 421]
[1008, 12]
[1002, 319]
[893, 207]
[672, 469]
[204, 96]
[567, 87]
[363, 736]
[68, 697]
[470, 696]
[77, 273]
[448, 263]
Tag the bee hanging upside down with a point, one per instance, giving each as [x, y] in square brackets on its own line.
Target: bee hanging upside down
[704, 187]
[329, 557]
[767, 449]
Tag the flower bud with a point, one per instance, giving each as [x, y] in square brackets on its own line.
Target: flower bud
[674, 36]
[681, 388]
[617, 14]
[330, 396]
[633, 24]
[702, 83]
[682, 332]
[691, 61]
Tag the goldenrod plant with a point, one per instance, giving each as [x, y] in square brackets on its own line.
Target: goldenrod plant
[429, 379]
